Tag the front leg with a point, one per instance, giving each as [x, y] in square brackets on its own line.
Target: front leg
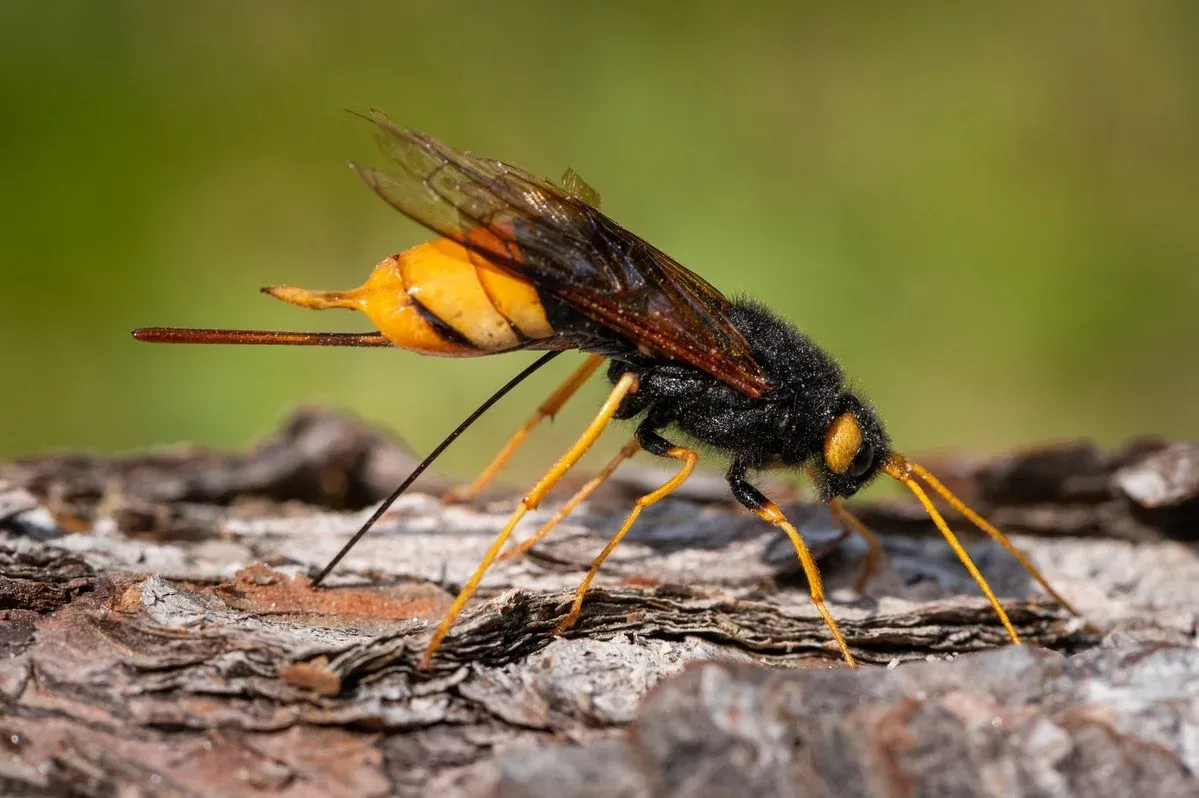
[769, 512]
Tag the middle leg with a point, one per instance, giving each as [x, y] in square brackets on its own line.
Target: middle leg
[654, 443]
[628, 450]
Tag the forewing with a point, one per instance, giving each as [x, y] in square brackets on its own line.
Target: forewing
[566, 247]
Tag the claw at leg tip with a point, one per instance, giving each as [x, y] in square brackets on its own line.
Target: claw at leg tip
[565, 625]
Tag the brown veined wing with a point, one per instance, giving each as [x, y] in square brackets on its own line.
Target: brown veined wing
[566, 247]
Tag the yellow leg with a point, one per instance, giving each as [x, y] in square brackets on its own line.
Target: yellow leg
[900, 470]
[689, 459]
[631, 448]
[847, 521]
[994, 533]
[874, 550]
[771, 514]
[626, 385]
[548, 409]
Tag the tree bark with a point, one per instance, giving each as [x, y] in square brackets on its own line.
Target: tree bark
[159, 634]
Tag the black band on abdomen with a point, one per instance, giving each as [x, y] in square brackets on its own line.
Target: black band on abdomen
[439, 325]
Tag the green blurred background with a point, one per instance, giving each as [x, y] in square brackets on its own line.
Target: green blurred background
[991, 216]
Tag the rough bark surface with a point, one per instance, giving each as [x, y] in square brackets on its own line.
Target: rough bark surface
[159, 635]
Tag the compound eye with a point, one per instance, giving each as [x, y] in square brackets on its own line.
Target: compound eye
[862, 460]
[843, 444]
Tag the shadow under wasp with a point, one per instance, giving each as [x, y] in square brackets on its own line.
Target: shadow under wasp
[524, 264]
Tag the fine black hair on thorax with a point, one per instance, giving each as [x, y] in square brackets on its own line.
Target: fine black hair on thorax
[786, 426]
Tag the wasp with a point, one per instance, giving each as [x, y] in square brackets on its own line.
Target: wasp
[524, 264]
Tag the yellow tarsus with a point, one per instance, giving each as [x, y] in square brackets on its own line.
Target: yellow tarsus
[689, 459]
[771, 514]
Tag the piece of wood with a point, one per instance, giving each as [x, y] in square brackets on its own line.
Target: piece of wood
[158, 635]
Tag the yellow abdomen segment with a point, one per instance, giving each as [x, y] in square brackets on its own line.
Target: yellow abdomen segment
[439, 299]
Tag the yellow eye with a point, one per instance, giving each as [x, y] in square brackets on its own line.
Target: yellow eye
[842, 443]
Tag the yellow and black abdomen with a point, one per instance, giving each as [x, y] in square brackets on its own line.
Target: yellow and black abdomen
[439, 298]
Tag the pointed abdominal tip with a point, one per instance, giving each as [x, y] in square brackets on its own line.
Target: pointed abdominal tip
[314, 300]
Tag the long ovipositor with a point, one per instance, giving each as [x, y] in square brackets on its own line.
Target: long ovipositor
[439, 298]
